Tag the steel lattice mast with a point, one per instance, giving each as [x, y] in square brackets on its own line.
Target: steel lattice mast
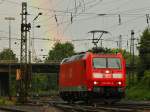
[24, 78]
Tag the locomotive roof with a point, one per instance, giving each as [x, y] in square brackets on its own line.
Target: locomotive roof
[109, 55]
[82, 55]
[73, 58]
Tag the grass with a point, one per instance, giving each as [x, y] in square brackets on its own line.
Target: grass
[5, 101]
[139, 91]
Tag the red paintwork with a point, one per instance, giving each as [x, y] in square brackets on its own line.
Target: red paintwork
[72, 74]
[79, 73]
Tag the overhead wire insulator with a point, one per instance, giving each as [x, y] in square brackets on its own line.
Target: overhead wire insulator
[56, 18]
[75, 3]
[117, 43]
[83, 9]
[71, 18]
[127, 43]
[119, 19]
[147, 19]
[80, 4]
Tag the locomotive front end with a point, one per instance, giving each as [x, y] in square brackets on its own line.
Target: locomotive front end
[108, 76]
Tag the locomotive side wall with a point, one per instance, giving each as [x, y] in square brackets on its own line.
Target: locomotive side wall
[73, 76]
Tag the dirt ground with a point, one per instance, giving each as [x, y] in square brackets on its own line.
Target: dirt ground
[51, 109]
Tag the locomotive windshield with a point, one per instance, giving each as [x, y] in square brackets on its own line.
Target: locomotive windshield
[107, 63]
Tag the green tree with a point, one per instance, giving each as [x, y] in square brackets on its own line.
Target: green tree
[5, 56]
[125, 53]
[101, 50]
[39, 83]
[60, 51]
[8, 54]
[144, 53]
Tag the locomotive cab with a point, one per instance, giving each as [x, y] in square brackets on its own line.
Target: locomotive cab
[107, 76]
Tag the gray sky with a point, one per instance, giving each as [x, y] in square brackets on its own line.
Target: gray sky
[85, 17]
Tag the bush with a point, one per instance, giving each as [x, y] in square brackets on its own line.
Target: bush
[4, 101]
[140, 91]
[146, 78]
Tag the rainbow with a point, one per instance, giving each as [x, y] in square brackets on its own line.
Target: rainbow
[51, 31]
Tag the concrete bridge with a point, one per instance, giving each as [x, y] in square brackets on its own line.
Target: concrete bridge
[50, 67]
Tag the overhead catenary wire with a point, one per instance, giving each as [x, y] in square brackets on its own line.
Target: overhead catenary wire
[94, 17]
[111, 14]
[113, 26]
[89, 13]
[84, 13]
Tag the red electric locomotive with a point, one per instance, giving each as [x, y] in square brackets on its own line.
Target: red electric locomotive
[91, 76]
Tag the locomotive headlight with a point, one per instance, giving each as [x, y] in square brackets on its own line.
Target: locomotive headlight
[95, 82]
[119, 83]
[97, 75]
[117, 75]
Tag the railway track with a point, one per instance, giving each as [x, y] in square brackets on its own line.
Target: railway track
[34, 105]
[131, 107]
[11, 109]
[100, 107]
[77, 108]
[23, 108]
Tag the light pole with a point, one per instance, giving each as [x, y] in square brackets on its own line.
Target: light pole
[9, 19]
[32, 40]
[31, 44]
